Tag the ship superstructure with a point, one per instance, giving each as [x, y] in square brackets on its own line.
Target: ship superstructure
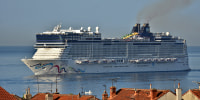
[84, 51]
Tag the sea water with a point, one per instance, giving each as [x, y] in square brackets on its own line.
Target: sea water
[15, 76]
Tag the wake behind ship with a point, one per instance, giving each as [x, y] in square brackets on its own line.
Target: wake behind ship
[83, 51]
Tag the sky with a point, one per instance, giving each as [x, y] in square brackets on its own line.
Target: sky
[20, 20]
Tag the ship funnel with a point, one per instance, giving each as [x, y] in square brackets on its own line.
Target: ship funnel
[145, 28]
[136, 28]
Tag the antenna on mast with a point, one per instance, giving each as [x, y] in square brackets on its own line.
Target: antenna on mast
[104, 86]
[56, 85]
[82, 93]
[51, 87]
[114, 80]
[174, 82]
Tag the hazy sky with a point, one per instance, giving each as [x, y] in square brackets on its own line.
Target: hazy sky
[21, 19]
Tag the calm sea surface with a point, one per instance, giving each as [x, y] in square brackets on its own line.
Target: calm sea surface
[15, 77]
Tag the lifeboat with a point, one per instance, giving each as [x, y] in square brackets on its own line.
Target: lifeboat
[103, 61]
[137, 61]
[84, 61]
[78, 62]
[131, 61]
[113, 61]
[95, 61]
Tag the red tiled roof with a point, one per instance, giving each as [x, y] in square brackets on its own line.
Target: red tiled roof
[4, 95]
[196, 92]
[140, 94]
[41, 96]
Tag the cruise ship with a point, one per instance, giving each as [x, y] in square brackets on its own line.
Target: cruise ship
[63, 51]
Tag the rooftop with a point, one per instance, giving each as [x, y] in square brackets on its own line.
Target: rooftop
[41, 96]
[138, 94]
[4, 95]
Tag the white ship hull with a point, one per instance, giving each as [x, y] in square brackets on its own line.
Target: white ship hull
[83, 51]
[69, 66]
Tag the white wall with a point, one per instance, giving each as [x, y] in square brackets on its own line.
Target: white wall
[168, 96]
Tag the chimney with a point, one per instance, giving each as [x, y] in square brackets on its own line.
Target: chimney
[105, 95]
[178, 85]
[112, 91]
[49, 96]
[136, 92]
[79, 96]
[150, 85]
[136, 28]
[145, 28]
[94, 98]
[199, 86]
[178, 93]
[153, 93]
[28, 96]
[28, 90]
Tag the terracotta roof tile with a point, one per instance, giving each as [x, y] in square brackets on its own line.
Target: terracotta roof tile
[4, 95]
[196, 92]
[140, 94]
[41, 96]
